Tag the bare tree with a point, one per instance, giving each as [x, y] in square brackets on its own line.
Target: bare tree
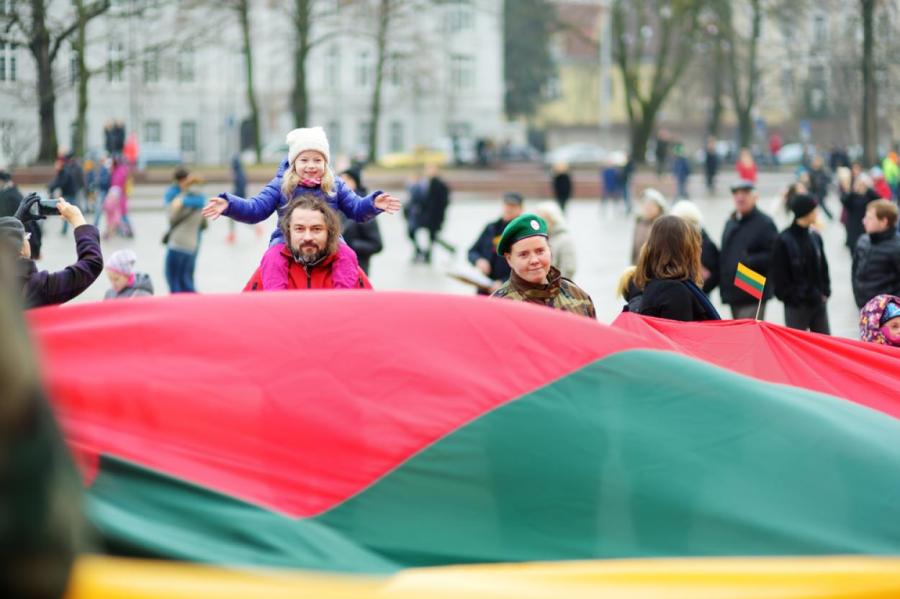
[243, 12]
[654, 42]
[743, 65]
[29, 22]
[870, 97]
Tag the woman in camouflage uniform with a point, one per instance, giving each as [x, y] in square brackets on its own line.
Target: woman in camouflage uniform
[525, 246]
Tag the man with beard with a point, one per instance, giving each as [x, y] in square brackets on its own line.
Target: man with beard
[312, 231]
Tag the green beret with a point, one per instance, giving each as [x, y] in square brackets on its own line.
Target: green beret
[521, 227]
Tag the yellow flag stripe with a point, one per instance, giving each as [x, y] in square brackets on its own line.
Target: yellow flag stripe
[751, 274]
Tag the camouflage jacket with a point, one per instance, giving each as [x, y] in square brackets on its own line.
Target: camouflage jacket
[559, 293]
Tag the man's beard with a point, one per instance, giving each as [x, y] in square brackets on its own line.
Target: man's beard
[309, 259]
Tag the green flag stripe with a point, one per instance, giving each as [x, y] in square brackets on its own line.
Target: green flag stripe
[642, 453]
[749, 281]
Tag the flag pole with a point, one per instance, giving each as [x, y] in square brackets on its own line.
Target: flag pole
[758, 309]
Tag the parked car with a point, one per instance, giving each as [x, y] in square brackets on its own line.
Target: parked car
[794, 153]
[154, 154]
[418, 156]
[578, 154]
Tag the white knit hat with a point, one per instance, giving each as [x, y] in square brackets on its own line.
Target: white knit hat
[313, 138]
[122, 262]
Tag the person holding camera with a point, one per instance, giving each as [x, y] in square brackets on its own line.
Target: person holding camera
[43, 288]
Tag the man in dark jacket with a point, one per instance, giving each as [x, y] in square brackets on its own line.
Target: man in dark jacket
[819, 181]
[433, 210]
[748, 238]
[484, 253]
[876, 258]
[42, 288]
[799, 270]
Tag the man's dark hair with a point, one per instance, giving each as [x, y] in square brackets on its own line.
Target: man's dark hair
[181, 174]
[309, 201]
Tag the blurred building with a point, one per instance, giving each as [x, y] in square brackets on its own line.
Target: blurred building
[175, 76]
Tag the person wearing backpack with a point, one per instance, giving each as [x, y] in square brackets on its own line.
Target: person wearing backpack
[184, 202]
[799, 270]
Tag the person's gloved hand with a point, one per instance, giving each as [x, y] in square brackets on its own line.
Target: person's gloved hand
[26, 211]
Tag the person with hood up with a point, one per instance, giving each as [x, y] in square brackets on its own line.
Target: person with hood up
[879, 320]
[653, 205]
[562, 244]
[125, 280]
[40, 287]
[306, 170]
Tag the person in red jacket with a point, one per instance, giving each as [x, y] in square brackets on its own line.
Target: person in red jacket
[312, 231]
[746, 166]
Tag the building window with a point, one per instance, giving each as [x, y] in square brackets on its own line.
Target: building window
[6, 7]
[8, 65]
[363, 140]
[397, 142]
[820, 30]
[364, 75]
[188, 136]
[462, 72]
[395, 69]
[115, 62]
[333, 129]
[458, 15]
[73, 66]
[153, 132]
[151, 66]
[332, 66]
[184, 66]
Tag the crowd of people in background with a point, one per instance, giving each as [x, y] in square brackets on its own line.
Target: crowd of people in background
[675, 263]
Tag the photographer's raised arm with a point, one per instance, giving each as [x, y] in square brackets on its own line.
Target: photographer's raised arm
[45, 288]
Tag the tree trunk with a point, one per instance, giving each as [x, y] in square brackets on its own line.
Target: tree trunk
[244, 15]
[299, 95]
[384, 16]
[39, 45]
[718, 67]
[78, 145]
[745, 127]
[870, 100]
[641, 130]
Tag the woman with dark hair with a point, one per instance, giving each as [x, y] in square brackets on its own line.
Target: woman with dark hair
[669, 272]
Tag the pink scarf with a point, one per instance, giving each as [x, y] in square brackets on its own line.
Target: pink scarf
[310, 182]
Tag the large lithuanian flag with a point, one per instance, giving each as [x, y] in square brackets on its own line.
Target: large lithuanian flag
[375, 432]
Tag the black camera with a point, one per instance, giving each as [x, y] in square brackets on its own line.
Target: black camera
[45, 208]
[34, 208]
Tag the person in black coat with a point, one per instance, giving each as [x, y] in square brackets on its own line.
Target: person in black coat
[42, 288]
[855, 202]
[483, 254]
[434, 210]
[562, 184]
[10, 200]
[363, 238]
[876, 258]
[819, 182]
[711, 164]
[668, 273]
[748, 238]
[799, 270]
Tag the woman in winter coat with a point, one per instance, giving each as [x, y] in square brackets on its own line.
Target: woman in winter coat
[562, 244]
[746, 166]
[669, 273]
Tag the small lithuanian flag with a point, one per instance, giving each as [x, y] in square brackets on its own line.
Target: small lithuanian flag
[750, 281]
